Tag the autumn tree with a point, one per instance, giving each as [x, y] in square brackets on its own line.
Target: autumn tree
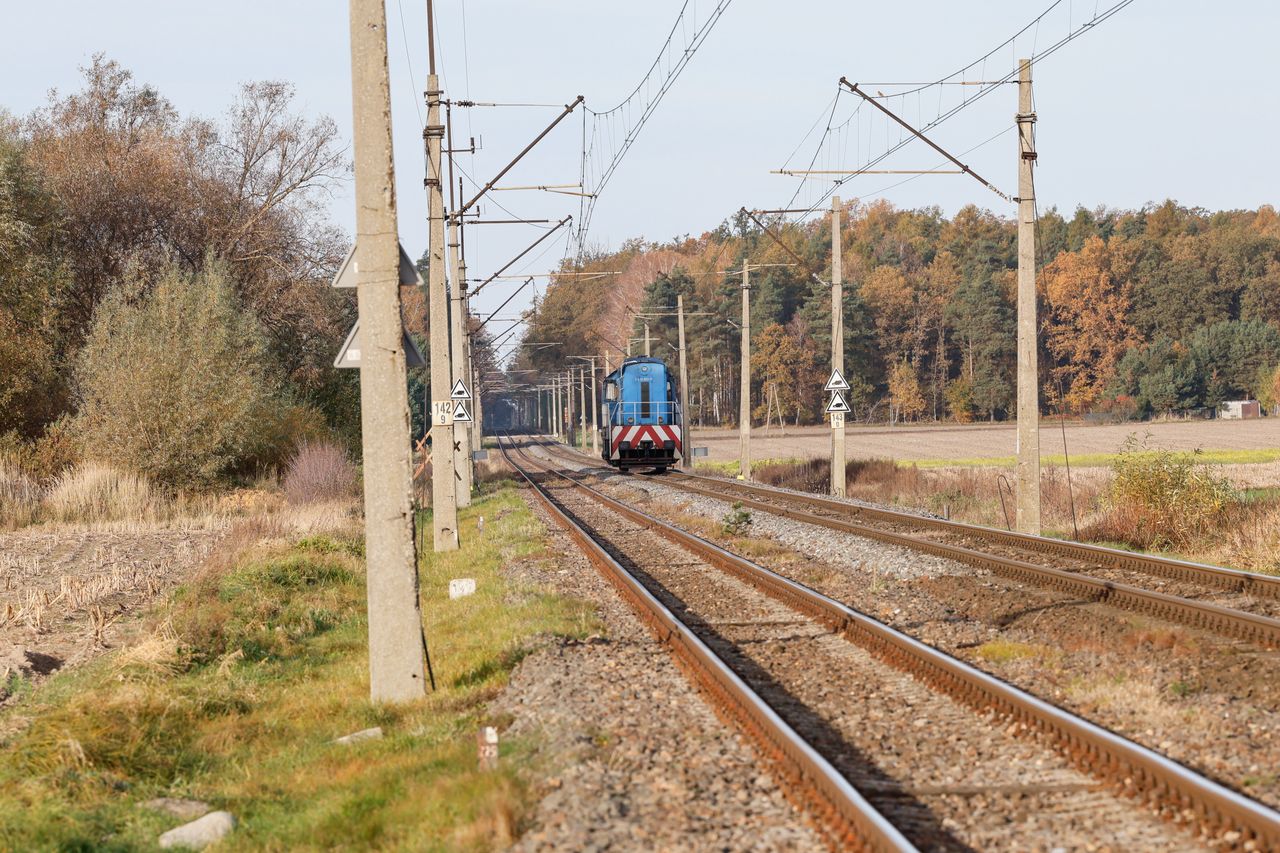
[904, 392]
[1087, 323]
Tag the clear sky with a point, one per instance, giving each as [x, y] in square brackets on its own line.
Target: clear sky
[1170, 98]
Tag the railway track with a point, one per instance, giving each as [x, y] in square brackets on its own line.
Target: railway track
[1121, 766]
[1029, 559]
[845, 816]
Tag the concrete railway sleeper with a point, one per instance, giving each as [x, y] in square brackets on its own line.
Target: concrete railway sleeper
[1129, 768]
[1207, 616]
[843, 814]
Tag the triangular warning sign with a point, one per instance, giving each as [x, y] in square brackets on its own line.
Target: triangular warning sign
[459, 391]
[349, 355]
[460, 412]
[836, 382]
[837, 403]
[346, 277]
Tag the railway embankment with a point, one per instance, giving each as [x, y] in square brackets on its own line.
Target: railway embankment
[234, 689]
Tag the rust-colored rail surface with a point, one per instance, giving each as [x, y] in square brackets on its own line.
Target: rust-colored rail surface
[1219, 577]
[1132, 769]
[848, 821]
[1228, 621]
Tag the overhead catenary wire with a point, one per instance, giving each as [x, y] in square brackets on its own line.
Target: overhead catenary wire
[634, 111]
[945, 114]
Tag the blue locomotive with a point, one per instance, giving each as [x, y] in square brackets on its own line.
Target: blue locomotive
[643, 422]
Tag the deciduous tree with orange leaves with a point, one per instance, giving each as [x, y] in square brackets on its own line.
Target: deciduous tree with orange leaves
[1087, 325]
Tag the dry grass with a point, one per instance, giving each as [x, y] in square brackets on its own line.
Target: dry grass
[966, 494]
[92, 492]
[19, 495]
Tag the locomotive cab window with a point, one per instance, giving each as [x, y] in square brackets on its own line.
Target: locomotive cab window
[644, 399]
[611, 392]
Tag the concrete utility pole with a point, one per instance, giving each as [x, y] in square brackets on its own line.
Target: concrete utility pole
[595, 412]
[687, 438]
[555, 382]
[837, 345]
[569, 428]
[444, 509]
[582, 401]
[646, 338]
[1028, 350]
[396, 655]
[461, 447]
[744, 394]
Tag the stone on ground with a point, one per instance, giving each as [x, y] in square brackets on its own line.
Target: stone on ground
[200, 833]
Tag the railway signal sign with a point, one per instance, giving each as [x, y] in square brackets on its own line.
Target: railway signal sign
[346, 277]
[460, 391]
[836, 383]
[460, 413]
[837, 404]
[349, 355]
[441, 412]
[837, 420]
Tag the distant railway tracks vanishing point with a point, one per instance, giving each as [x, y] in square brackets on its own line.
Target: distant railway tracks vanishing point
[1128, 768]
[1261, 592]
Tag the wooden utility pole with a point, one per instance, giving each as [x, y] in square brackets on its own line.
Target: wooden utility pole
[744, 394]
[837, 347]
[1028, 515]
[396, 654]
[461, 447]
[444, 509]
[686, 438]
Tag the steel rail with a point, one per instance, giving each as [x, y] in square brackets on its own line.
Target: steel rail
[1131, 768]
[1232, 580]
[843, 814]
[1202, 615]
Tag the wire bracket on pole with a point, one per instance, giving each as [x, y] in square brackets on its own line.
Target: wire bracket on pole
[853, 87]
[799, 260]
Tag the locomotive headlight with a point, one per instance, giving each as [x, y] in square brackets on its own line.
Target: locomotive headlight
[662, 420]
[630, 421]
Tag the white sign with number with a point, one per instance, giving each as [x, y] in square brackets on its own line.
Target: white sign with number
[837, 420]
[441, 412]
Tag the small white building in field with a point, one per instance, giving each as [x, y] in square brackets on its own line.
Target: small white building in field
[1235, 410]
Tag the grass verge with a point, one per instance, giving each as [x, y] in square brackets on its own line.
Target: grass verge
[248, 674]
[1098, 460]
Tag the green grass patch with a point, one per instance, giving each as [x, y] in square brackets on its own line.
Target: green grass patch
[1004, 651]
[1095, 460]
[249, 675]
[730, 467]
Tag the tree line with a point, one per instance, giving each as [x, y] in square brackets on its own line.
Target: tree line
[164, 298]
[1162, 309]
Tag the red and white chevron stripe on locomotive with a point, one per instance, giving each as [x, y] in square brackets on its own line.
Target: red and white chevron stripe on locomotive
[652, 432]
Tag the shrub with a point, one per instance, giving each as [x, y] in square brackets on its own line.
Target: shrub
[1160, 499]
[96, 492]
[319, 471]
[736, 522]
[175, 379]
